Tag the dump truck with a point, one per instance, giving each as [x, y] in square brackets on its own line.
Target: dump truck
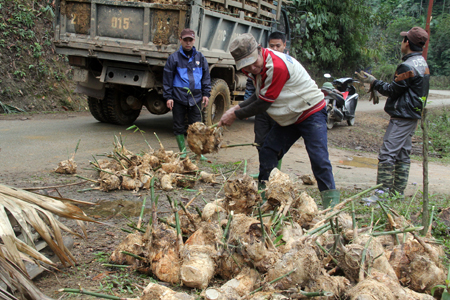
[118, 49]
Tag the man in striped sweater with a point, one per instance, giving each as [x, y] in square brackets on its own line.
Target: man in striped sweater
[285, 90]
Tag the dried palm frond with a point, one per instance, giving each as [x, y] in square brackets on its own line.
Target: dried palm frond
[14, 278]
[25, 212]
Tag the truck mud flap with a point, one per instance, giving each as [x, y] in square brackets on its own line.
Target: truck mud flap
[94, 93]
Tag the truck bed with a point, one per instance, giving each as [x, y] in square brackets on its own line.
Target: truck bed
[143, 32]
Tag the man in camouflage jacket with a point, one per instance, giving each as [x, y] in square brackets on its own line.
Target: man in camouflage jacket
[406, 97]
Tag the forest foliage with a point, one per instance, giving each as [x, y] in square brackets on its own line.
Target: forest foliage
[341, 37]
[337, 37]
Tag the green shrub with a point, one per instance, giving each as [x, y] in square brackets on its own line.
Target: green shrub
[440, 82]
[438, 131]
[384, 72]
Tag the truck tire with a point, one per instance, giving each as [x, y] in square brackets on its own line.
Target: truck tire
[95, 107]
[116, 110]
[219, 101]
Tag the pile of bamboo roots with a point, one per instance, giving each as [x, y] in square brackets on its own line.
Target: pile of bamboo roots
[284, 248]
[123, 169]
[203, 139]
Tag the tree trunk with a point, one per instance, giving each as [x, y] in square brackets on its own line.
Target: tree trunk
[425, 215]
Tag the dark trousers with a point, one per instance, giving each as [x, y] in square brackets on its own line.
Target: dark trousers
[179, 113]
[281, 138]
[263, 124]
[397, 141]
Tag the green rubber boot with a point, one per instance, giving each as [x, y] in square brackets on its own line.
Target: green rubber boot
[255, 176]
[401, 175]
[330, 198]
[385, 175]
[262, 187]
[279, 164]
[181, 145]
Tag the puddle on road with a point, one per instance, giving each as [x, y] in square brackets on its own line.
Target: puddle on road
[105, 208]
[360, 162]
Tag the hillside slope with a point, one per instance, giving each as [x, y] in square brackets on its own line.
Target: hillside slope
[32, 76]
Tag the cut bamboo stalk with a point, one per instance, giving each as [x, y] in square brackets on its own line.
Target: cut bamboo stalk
[132, 255]
[192, 200]
[355, 232]
[315, 294]
[263, 232]
[225, 232]
[142, 213]
[167, 223]
[410, 229]
[135, 228]
[245, 166]
[116, 266]
[394, 235]
[84, 292]
[159, 141]
[327, 253]
[173, 205]
[312, 231]
[88, 179]
[225, 181]
[343, 203]
[53, 186]
[363, 260]
[273, 281]
[239, 145]
[431, 222]
[154, 205]
[329, 217]
[198, 211]
[189, 216]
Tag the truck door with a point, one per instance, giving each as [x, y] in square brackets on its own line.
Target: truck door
[283, 26]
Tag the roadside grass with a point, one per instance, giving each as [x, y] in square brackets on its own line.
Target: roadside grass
[440, 82]
[438, 131]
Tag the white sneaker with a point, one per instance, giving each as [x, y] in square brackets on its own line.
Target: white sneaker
[374, 198]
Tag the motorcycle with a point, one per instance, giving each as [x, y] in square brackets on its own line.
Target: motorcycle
[341, 98]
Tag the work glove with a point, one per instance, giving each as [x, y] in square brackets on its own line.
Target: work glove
[365, 77]
[374, 96]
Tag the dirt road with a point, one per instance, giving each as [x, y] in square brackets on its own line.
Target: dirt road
[31, 146]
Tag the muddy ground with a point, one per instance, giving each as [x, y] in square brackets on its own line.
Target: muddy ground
[352, 152]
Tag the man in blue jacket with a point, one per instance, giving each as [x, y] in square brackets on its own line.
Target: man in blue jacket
[187, 85]
[406, 95]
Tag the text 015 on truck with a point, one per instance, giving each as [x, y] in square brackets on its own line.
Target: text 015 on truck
[118, 49]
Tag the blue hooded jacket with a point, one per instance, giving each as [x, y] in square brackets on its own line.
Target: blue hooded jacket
[182, 74]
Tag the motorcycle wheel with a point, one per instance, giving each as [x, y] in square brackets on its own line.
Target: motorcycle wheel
[351, 122]
[330, 120]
